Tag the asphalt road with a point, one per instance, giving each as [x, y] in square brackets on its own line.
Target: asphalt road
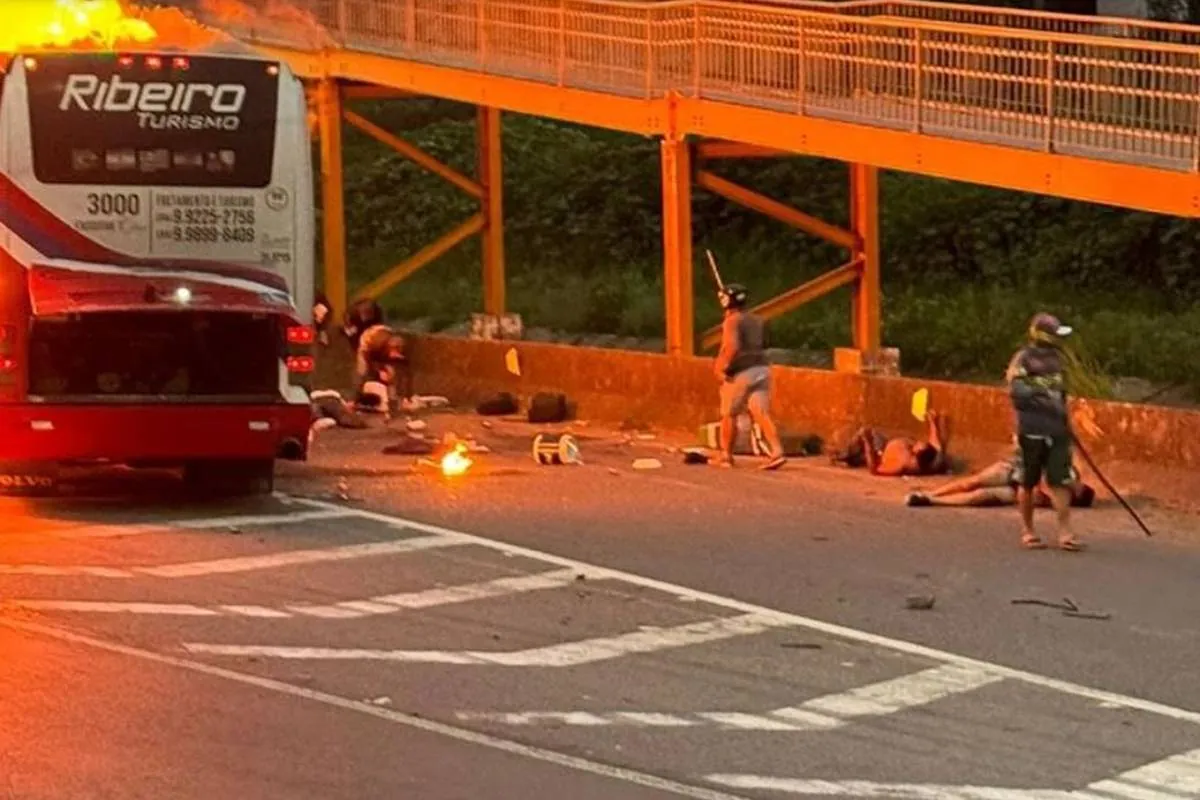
[580, 632]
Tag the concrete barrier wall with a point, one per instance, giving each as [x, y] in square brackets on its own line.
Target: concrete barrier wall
[652, 389]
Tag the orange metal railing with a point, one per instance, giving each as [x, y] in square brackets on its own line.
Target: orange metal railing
[1110, 90]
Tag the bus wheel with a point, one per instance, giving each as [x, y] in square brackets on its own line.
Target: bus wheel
[230, 477]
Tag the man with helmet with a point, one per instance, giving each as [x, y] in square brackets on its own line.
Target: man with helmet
[741, 367]
[1038, 391]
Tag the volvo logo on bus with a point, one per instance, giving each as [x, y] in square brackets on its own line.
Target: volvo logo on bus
[158, 105]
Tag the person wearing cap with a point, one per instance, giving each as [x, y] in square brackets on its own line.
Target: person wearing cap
[741, 367]
[1037, 388]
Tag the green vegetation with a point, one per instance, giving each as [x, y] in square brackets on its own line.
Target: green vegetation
[965, 266]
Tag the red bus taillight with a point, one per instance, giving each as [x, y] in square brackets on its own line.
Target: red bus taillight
[300, 364]
[8, 364]
[300, 334]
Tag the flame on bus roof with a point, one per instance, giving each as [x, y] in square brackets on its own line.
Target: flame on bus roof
[103, 25]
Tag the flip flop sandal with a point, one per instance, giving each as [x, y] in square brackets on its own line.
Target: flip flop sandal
[775, 463]
[1031, 541]
[1071, 544]
[723, 462]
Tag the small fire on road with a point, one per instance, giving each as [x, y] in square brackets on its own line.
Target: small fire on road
[456, 462]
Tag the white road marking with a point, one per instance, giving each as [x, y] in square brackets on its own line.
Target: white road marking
[381, 712]
[52, 571]
[1174, 778]
[796, 620]
[571, 654]
[110, 531]
[819, 714]
[224, 566]
[351, 609]
[429, 598]
[99, 607]
[259, 520]
[290, 558]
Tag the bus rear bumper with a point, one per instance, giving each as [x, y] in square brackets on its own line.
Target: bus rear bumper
[152, 434]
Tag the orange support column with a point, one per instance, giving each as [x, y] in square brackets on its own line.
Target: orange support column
[677, 246]
[491, 179]
[864, 213]
[333, 210]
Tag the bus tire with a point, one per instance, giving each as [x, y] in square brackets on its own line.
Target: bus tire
[230, 477]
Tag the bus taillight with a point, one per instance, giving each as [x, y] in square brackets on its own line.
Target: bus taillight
[300, 364]
[300, 334]
[125, 61]
[179, 62]
[8, 364]
[153, 62]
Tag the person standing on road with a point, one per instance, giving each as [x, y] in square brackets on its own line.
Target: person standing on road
[1037, 388]
[741, 367]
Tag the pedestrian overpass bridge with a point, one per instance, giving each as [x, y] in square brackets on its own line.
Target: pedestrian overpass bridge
[1094, 109]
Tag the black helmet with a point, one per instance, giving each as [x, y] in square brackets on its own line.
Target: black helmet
[732, 295]
[1048, 328]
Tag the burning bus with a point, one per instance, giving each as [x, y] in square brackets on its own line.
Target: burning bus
[156, 253]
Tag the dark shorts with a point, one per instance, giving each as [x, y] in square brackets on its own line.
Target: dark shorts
[1044, 456]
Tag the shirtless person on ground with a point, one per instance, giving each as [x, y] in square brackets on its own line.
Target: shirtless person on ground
[997, 485]
[904, 456]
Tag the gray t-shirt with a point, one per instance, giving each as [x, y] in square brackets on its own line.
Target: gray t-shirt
[751, 343]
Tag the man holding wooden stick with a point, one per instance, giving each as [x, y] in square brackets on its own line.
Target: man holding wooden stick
[741, 367]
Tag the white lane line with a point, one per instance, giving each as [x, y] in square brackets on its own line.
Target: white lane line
[289, 558]
[1100, 696]
[1174, 778]
[114, 530]
[259, 520]
[51, 571]
[572, 654]
[390, 715]
[99, 607]
[351, 609]
[819, 714]
[223, 566]
[429, 598]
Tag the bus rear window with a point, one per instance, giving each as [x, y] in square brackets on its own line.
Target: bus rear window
[144, 120]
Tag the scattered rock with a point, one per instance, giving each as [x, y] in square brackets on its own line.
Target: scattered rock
[647, 463]
[613, 471]
[919, 602]
[234, 530]
[381, 701]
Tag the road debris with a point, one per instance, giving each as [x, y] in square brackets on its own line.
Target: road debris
[647, 463]
[919, 602]
[1068, 607]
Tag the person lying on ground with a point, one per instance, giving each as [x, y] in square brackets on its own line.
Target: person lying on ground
[901, 455]
[997, 485]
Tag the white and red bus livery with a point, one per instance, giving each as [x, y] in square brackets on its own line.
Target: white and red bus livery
[156, 263]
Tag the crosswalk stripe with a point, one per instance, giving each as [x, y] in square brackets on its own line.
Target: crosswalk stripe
[289, 558]
[571, 654]
[1173, 778]
[821, 713]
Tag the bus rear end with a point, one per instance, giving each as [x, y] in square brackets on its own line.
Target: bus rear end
[155, 265]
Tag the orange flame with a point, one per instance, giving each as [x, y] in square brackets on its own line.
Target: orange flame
[456, 461]
[42, 24]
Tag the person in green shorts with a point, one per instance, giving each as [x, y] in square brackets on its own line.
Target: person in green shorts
[1038, 391]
